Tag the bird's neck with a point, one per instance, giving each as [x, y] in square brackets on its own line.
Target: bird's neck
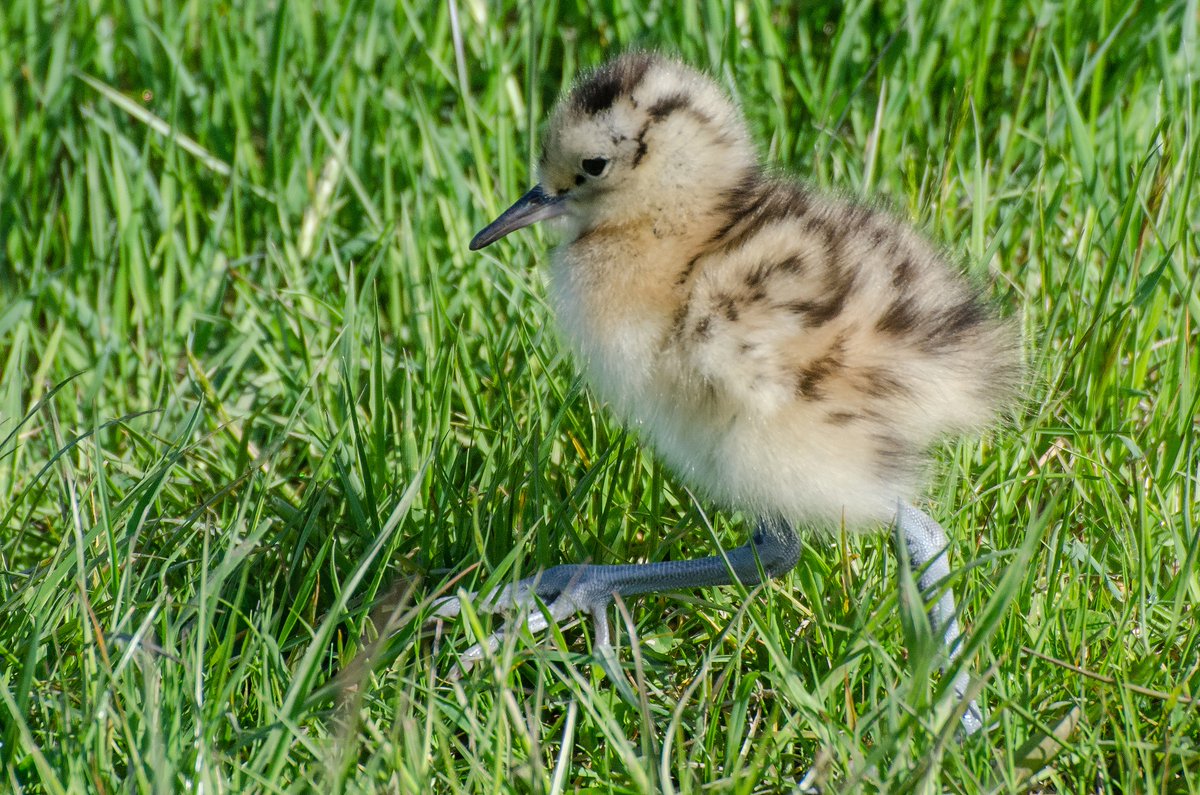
[618, 287]
[615, 294]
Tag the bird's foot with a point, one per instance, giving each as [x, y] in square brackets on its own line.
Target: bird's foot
[535, 602]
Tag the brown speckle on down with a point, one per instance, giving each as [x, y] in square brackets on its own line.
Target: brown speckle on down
[600, 89]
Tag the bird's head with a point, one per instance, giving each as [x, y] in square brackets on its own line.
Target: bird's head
[641, 139]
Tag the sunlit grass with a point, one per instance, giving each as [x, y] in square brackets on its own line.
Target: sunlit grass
[258, 403]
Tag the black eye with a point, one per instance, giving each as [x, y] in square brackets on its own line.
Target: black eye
[595, 166]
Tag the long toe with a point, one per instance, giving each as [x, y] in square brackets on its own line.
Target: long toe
[972, 719]
[510, 598]
[537, 618]
[446, 607]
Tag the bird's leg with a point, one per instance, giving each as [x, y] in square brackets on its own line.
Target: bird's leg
[927, 547]
[584, 588]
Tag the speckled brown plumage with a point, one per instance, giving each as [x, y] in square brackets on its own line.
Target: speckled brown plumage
[783, 350]
[788, 353]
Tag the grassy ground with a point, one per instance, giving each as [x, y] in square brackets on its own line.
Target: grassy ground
[258, 401]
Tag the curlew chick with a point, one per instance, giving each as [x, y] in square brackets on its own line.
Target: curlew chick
[787, 353]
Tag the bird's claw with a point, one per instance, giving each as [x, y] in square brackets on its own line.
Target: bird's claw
[529, 609]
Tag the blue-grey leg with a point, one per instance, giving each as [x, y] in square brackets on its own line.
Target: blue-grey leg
[584, 588]
[927, 547]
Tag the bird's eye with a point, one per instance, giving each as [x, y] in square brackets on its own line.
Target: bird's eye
[594, 166]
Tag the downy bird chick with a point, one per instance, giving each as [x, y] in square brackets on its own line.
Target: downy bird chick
[787, 353]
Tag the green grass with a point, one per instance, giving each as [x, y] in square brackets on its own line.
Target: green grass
[258, 402]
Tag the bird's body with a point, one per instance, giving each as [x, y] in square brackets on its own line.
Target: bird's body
[798, 364]
[789, 354]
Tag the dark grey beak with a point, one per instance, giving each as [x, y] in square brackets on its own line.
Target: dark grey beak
[534, 206]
